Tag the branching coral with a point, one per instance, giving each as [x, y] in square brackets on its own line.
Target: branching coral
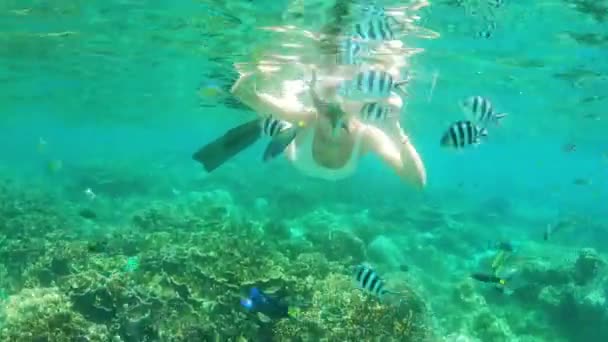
[338, 312]
[45, 314]
[194, 264]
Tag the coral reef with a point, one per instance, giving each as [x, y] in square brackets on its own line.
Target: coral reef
[177, 272]
[340, 313]
[46, 314]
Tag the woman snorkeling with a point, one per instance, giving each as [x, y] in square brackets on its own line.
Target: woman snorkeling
[325, 130]
[323, 141]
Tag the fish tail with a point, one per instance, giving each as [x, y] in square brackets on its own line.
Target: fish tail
[400, 87]
[498, 117]
[398, 25]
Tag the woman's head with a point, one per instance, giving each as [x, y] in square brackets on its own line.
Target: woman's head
[331, 121]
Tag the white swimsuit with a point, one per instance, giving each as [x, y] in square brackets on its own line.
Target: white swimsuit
[299, 152]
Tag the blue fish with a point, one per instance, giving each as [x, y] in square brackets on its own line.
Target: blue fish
[271, 307]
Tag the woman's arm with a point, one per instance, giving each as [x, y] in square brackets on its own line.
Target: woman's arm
[288, 109]
[403, 158]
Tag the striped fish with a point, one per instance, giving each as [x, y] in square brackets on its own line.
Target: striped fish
[463, 133]
[372, 83]
[271, 126]
[481, 111]
[372, 11]
[496, 3]
[487, 31]
[350, 52]
[368, 280]
[281, 133]
[375, 111]
[374, 29]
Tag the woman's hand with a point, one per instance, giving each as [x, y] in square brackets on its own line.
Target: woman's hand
[246, 82]
[401, 157]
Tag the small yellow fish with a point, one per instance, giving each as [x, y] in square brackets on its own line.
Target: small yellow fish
[42, 145]
[55, 165]
[209, 91]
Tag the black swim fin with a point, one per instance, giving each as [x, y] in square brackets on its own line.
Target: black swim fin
[235, 140]
[279, 142]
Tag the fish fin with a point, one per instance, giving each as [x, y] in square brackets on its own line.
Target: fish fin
[279, 143]
[393, 297]
[254, 292]
[235, 140]
[499, 117]
[483, 132]
[400, 87]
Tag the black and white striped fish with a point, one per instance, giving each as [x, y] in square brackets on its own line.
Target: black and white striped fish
[481, 111]
[217, 152]
[375, 112]
[371, 11]
[372, 83]
[488, 30]
[496, 3]
[375, 28]
[350, 52]
[368, 280]
[463, 133]
[272, 126]
[281, 133]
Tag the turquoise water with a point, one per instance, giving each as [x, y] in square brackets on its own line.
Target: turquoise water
[115, 96]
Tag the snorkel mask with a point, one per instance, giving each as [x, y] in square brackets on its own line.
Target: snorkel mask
[331, 110]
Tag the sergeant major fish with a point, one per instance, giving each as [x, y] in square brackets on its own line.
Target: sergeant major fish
[350, 52]
[480, 110]
[463, 133]
[375, 111]
[372, 83]
[368, 280]
[281, 133]
[374, 29]
[217, 152]
[370, 10]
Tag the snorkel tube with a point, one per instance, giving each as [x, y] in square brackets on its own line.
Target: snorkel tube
[331, 110]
